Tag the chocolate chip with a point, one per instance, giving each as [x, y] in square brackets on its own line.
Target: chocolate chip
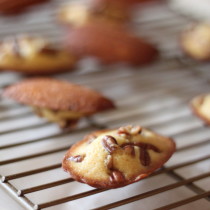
[117, 176]
[109, 143]
[77, 158]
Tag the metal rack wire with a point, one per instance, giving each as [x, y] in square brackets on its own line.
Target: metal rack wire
[156, 96]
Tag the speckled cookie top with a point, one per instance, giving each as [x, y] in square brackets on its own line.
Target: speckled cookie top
[115, 158]
[58, 95]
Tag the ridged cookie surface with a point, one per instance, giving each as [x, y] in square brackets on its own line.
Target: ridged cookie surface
[58, 95]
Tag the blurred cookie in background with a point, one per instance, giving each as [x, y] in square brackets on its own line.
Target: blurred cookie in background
[77, 14]
[13, 7]
[118, 9]
[195, 41]
[110, 44]
[35, 56]
[59, 101]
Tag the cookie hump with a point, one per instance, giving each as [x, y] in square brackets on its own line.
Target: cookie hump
[110, 44]
[116, 158]
[58, 95]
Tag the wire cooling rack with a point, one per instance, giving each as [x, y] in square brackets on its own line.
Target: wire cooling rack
[155, 96]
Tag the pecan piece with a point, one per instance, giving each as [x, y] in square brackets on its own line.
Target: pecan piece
[77, 158]
[129, 149]
[135, 130]
[109, 143]
[147, 146]
[109, 162]
[144, 157]
[117, 177]
[129, 130]
[124, 130]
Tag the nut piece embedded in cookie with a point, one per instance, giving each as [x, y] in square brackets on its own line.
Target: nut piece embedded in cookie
[195, 41]
[110, 44]
[201, 107]
[58, 101]
[34, 55]
[112, 160]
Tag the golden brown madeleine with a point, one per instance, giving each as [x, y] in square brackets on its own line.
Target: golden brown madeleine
[58, 101]
[110, 44]
[77, 14]
[115, 158]
[12, 7]
[34, 55]
[195, 41]
[201, 107]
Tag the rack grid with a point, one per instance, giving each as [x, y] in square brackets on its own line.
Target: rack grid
[155, 96]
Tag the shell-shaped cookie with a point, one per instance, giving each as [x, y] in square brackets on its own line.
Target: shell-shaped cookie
[58, 95]
[58, 101]
[110, 44]
[34, 55]
[115, 158]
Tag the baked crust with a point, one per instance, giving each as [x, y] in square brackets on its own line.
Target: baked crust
[110, 44]
[34, 55]
[86, 161]
[13, 7]
[58, 95]
[195, 105]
